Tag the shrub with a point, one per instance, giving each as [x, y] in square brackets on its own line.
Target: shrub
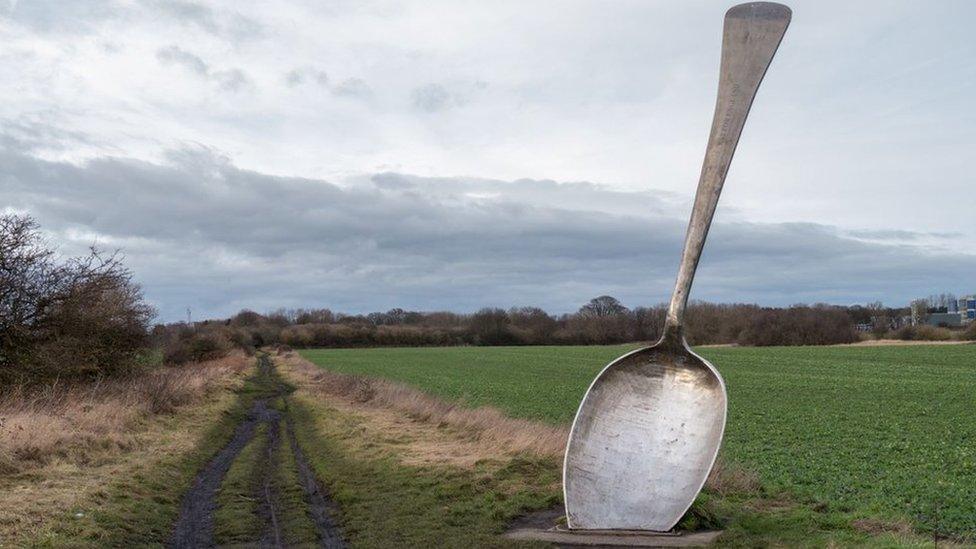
[74, 318]
[298, 336]
[197, 346]
[905, 333]
[491, 327]
[163, 392]
[922, 333]
[798, 325]
[932, 333]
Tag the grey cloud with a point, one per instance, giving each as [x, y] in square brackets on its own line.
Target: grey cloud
[225, 23]
[899, 234]
[110, 47]
[431, 98]
[353, 87]
[563, 195]
[435, 97]
[232, 79]
[75, 17]
[86, 16]
[32, 132]
[177, 55]
[298, 76]
[294, 78]
[188, 12]
[201, 232]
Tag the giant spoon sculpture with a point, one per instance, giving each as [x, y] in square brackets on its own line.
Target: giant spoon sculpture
[648, 430]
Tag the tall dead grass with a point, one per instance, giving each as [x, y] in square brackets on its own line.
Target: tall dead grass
[79, 421]
[489, 426]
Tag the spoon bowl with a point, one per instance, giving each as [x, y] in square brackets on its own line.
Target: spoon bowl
[657, 413]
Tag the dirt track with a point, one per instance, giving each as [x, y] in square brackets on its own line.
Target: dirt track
[195, 526]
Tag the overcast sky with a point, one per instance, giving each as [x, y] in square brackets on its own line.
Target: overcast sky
[453, 155]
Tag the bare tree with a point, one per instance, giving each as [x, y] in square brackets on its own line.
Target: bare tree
[27, 272]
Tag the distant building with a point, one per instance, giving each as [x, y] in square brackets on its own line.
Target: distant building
[956, 313]
[967, 306]
[945, 320]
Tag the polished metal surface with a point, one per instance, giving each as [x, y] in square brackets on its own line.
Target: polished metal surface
[647, 432]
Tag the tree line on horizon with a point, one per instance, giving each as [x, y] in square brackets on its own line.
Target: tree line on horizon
[63, 318]
[601, 321]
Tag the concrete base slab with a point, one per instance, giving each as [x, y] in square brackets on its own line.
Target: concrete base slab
[613, 538]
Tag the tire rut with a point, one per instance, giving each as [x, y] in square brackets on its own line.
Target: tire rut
[320, 507]
[194, 527]
[267, 508]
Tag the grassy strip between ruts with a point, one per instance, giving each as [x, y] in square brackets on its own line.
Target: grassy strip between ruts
[237, 501]
[296, 527]
[390, 498]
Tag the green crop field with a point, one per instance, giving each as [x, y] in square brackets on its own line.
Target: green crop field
[872, 431]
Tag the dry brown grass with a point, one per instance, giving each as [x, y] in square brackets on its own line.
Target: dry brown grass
[487, 432]
[729, 478]
[80, 422]
[419, 420]
[877, 526]
[64, 445]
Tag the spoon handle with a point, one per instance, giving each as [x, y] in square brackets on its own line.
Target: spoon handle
[752, 33]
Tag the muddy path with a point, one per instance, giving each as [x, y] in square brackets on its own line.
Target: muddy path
[195, 526]
[320, 507]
